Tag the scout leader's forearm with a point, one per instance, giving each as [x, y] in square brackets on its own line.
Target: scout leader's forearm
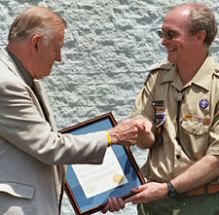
[198, 174]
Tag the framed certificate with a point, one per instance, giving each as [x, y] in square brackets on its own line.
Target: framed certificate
[89, 186]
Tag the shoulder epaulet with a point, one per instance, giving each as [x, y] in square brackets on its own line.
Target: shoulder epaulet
[166, 66]
[161, 67]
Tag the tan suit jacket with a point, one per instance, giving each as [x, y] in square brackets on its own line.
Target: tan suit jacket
[32, 153]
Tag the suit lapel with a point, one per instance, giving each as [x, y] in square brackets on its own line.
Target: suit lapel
[43, 100]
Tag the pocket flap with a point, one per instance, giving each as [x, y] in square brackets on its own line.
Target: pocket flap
[195, 127]
[17, 189]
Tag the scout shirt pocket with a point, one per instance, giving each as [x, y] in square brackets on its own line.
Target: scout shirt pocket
[195, 124]
[196, 132]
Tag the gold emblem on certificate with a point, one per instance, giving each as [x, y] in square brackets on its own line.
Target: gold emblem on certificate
[118, 179]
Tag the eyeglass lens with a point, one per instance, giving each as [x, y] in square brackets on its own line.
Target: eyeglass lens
[169, 35]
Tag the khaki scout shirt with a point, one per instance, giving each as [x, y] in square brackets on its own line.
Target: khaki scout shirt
[198, 124]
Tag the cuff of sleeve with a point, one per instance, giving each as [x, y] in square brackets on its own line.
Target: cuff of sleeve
[213, 151]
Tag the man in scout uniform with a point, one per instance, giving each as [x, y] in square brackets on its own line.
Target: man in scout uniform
[181, 98]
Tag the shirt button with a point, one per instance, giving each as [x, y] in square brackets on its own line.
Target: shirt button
[178, 157]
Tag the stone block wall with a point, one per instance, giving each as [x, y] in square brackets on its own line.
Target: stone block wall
[110, 46]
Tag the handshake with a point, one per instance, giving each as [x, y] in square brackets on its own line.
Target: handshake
[133, 131]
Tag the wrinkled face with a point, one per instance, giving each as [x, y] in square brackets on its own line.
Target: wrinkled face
[48, 53]
[179, 43]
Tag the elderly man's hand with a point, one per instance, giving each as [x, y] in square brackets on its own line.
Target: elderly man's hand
[133, 131]
[113, 204]
[126, 132]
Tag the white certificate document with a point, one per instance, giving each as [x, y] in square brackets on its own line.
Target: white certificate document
[96, 179]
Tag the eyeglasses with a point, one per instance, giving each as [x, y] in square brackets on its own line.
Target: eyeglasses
[169, 35]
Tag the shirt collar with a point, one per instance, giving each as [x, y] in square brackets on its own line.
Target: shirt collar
[172, 76]
[22, 70]
[201, 78]
[205, 73]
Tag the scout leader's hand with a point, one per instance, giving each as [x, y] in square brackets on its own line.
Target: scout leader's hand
[143, 194]
[148, 192]
[126, 132]
[145, 138]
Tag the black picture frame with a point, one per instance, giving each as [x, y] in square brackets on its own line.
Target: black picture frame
[83, 205]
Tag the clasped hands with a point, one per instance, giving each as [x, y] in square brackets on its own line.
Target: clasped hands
[133, 131]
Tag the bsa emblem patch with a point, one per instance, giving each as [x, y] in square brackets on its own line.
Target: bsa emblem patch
[203, 103]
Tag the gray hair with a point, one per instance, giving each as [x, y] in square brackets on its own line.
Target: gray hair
[35, 20]
[202, 18]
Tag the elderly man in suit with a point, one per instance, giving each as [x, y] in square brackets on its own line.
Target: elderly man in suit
[32, 152]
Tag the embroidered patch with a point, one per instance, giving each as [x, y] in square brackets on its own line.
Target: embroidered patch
[160, 118]
[160, 112]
